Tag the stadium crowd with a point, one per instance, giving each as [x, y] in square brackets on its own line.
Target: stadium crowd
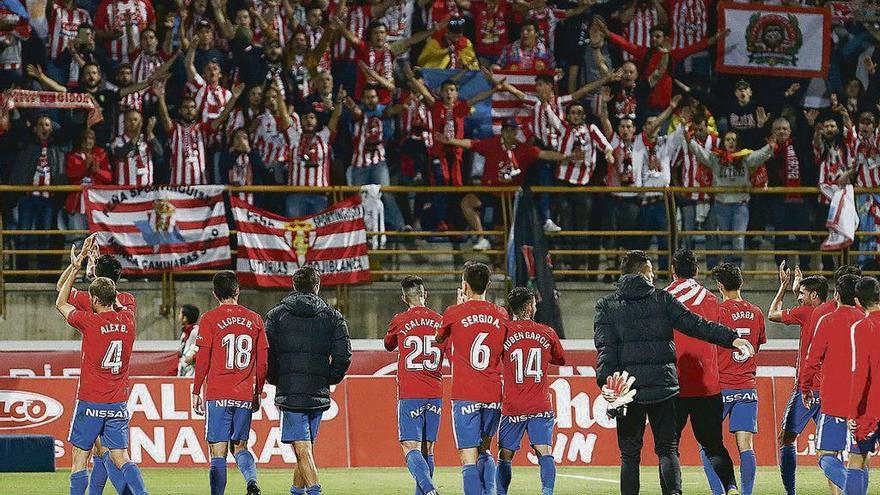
[333, 92]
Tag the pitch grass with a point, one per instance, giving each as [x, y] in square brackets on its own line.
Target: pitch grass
[393, 481]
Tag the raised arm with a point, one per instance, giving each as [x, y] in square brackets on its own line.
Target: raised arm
[337, 110]
[598, 83]
[460, 143]
[68, 276]
[189, 62]
[774, 313]
[36, 72]
[418, 86]
[230, 104]
[604, 98]
[372, 74]
[673, 103]
[164, 116]
[346, 33]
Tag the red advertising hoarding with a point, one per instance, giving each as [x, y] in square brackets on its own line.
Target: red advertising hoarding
[360, 429]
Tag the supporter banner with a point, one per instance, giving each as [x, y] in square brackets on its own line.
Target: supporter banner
[20, 98]
[272, 247]
[359, 429]
[774, 40]
[505, 105]
[43, 363]
[162, 228]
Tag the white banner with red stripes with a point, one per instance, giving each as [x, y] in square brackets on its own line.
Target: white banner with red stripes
[272, 247]
[506, 106]
[161, 228]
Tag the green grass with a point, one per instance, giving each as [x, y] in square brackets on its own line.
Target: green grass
[570, 481]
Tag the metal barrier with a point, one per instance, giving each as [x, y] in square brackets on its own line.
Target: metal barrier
[507, 196]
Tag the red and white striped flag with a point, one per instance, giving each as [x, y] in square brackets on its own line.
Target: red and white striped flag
[505, 105]
[272, 247]
[162, 228]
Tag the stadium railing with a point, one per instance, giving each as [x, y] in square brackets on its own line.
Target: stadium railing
[385, 262]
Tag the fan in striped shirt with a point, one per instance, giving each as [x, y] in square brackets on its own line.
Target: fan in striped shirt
[134, 152]
[189, 137]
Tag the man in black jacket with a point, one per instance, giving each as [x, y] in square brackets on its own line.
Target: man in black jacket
[309, 350]
[634, 333]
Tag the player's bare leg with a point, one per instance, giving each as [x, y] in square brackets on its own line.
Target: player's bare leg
[417, 462]
[747, 461]
[79, 475]
[130, 471]
[246, 464]
[305, 462]
[857, 474]
[469, 472]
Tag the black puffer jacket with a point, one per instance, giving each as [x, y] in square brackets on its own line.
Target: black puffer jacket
[309, 350]
[633, 333]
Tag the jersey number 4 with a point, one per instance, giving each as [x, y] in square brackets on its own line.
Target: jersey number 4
[238, 350]
[113, 357]
[526, 366]
[424, 355]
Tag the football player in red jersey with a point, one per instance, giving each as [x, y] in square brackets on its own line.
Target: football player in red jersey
[102, 393]
[419, 381]
[811, 293]
[736, 373]
[475, 330]
[830, 354]
[231, 363]
[529, 349]
[864, 399]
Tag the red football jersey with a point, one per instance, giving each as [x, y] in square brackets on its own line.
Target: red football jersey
[476, 333]
[800, 315]
[831, 351]
[697, 360]
[529, 349]
[79, 299]
[420, 357]
[864, 397]
[808, 333]
[736, 371]
[108, 339]
[233, 353]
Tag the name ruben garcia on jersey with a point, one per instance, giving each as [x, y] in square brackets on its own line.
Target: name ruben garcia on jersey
[114, 327]
[516, 337]
[421, 322]
[235, 320]
[434, 408]
[742, 315]
[481, 318]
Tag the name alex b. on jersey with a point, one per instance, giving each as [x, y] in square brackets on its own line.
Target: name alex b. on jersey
[481, 318]
[114, 327]
[516, 337]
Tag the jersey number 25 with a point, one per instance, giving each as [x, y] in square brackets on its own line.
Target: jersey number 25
[425, 356]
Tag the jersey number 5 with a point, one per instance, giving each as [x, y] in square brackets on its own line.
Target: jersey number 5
[529, 367]
[113, 357]
[738, 355]
[424, 348]
[238, 350]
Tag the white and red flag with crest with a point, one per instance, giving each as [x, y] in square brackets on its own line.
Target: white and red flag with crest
[272, 247]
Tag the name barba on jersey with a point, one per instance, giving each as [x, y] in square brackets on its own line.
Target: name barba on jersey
[742, 315]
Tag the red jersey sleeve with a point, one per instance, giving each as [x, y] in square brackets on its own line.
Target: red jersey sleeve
[797, 316]
[461, 109]
[862, 373]
[79, 299]
[203, 357]
[527, 155]
[76, 319]
[815, 357]
[557, 353]
[391, 336]
[446, 324]
[482, 146]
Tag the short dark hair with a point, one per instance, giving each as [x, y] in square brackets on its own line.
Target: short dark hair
[104, 290]
[728, 275]
[108, 267]
[817, 284]
[868, 291]
[306, 279]
[661, 28]
[412, 286]
[371, 87]
[847, 270]
[191, 313]
[476, 274]
[684, 261]
[448, 82]
[531, 21]
[518, 299]
[225, 284]
[634, 262]
[846, 289]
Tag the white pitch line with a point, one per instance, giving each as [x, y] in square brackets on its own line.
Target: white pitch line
[588, 478]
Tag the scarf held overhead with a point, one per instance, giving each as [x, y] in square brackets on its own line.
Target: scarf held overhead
[20, 98]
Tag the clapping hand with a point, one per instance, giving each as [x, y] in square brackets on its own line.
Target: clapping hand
[618, 389]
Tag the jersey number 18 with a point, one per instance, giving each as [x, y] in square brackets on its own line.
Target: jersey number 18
[238, 350]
